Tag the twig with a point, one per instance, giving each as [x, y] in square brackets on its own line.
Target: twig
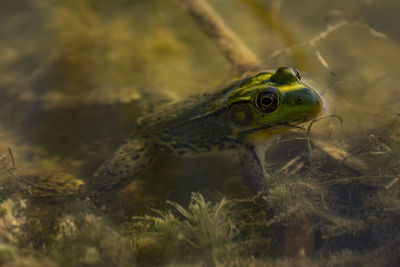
[393, 182]
[237, 53]
[323, 62]
[271, 19]
[11, 156]
[331, 28]
[316, 120]
[313, 41]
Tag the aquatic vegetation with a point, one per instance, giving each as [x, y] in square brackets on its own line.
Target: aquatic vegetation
[75, 75]
[203, 232]
[328, 219]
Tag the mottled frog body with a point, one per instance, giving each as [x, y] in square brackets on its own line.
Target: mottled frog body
[222, 119]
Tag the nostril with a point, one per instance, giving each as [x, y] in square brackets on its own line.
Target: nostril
[298, 101]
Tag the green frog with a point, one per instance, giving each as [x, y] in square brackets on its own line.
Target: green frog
[240, 116]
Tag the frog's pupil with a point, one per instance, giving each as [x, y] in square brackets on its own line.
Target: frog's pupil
[266, 101]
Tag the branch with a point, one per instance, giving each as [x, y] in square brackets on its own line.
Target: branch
[347, 19]
[237, 53]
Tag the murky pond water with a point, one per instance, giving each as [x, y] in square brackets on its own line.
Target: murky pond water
[75, 76]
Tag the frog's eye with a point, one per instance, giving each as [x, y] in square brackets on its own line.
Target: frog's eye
[286, 75]
[267, 102]
[296, 73]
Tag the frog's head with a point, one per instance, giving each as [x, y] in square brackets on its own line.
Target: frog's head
[272, 99]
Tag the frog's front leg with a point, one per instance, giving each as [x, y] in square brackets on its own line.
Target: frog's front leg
[253, 173]
[252, 159]
[123, 166]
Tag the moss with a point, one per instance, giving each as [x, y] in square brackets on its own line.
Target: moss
[203, 232]
[7, 253]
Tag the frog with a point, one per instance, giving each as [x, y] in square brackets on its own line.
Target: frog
[239, 116]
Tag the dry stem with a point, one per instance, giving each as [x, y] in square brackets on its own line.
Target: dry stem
[237, 53]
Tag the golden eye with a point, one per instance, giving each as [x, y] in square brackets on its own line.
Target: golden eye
[267, 102]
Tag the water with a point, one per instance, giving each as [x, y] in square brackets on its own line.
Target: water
[75, 76]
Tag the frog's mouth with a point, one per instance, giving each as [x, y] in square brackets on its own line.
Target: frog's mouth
[288, 124]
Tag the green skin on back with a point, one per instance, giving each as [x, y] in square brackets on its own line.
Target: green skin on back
[221, 119]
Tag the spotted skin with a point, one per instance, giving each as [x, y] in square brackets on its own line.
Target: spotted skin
[243, 116]
[174, 137]
[126, 163]
[236, 116]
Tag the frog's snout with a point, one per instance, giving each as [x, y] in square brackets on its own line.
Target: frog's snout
[312, 100]
[315, 103]
[304, 104]
[318, 103]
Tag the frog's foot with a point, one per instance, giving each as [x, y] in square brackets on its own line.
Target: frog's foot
[253, 172]
[58, 186]
[122, 167]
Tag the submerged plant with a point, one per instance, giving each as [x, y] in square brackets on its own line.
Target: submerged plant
[205, 230]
